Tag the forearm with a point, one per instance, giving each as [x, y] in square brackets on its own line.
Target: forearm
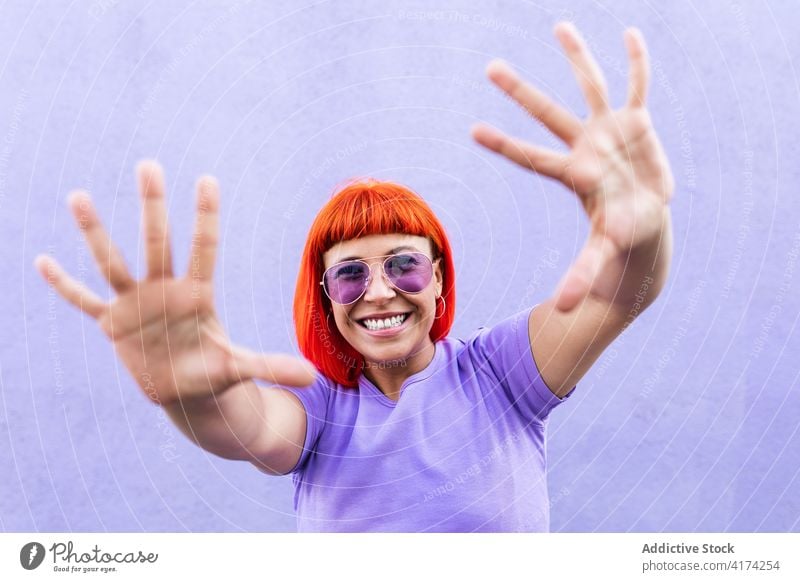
[224, 424]
[566, 344]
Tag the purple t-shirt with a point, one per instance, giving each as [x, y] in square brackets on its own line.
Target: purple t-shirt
[462, 450]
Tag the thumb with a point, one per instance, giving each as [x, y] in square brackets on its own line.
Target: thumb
[280, 369]
[582, 275]
[274, 368]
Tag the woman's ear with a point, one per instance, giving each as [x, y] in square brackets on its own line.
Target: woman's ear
[439, 276]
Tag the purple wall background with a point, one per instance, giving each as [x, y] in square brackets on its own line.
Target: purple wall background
[688, 423]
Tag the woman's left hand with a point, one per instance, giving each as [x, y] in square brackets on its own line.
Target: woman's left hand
[615, 165]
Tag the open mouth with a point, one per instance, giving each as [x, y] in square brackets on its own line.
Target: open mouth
[387, 323]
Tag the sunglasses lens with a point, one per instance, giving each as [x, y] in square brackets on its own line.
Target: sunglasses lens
[346, 282]
[410, 273]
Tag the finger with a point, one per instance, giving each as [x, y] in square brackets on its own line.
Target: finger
[206, 230]
[70, 289]
[105, 252]
[581, 276]
[588, 73]
[274, 368]
[639, 67]
[557, 119]
[154, 220]
[540, 160]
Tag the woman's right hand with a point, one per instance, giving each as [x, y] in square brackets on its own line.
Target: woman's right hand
[165, 329]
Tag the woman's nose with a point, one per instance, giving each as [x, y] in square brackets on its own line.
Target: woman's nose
[378, 287]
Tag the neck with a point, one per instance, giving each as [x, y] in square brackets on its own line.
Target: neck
[389, 376]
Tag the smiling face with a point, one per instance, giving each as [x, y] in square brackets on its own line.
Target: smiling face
[408, 342]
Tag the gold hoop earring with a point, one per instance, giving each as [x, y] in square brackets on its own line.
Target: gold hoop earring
[444, 307]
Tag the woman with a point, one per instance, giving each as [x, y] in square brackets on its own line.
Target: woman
[397, 427]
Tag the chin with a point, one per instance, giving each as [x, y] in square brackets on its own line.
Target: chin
[387, 352]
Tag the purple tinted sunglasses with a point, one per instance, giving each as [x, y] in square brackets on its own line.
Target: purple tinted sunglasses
[346, 282]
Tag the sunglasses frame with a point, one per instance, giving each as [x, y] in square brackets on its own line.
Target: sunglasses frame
[383, 274]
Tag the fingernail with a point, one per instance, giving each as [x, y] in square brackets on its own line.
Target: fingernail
[565, 26]
[79, 199]
[146, 163]
[499, 65]
[206, 183]
[567, 34]
[488, 137]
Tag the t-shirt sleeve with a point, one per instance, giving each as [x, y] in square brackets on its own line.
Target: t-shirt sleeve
[505, 351]
[314, 399]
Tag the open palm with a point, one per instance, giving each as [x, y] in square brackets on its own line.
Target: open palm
[165, 329]
[615, 163]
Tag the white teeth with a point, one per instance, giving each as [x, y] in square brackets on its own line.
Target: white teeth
[378, 324]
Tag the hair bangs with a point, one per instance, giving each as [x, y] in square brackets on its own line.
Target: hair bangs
[370, 208]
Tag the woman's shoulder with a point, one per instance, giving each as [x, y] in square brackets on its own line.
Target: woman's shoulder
[508, 327]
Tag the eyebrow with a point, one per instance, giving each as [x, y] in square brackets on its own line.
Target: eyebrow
[391, 252]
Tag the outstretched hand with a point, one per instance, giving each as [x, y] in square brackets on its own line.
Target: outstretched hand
[164, 328]
[615, 164]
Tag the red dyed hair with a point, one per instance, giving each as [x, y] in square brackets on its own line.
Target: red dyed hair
[361, 209]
